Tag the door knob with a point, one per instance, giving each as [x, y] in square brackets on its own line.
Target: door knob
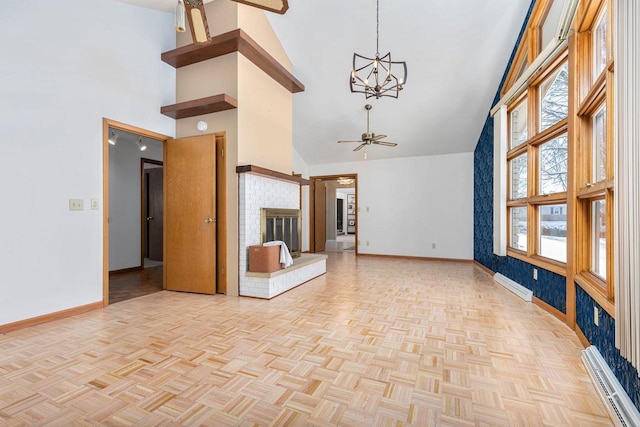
[208, 220]
[149, 218]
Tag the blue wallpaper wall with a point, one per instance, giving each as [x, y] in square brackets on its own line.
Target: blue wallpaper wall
[603, 337]
[549, 287]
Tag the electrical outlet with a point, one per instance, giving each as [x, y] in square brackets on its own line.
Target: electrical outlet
[433, 246]
[367, 243]
[358, 242]
[535, 274]
[596, 316]
[76, 204]
[95, 204]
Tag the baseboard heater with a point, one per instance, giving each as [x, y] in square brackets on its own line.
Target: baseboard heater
[514, 287]
[621, 409]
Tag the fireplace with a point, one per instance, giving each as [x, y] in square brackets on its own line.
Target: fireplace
[284, 225]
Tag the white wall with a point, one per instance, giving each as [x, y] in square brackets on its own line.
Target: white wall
[300, 166]
[124, 201]
[67, 65]
[413, 203]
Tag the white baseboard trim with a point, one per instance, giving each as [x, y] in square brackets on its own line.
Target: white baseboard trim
[515, 287]
[622, 411]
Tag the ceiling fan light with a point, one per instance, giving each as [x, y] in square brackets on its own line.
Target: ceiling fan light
[346, 181]
[180, 18]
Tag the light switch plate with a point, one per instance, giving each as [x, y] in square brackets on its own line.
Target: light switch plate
[76, 204]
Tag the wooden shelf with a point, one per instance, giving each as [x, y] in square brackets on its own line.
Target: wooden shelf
[198, 107]
[234, 41]
[257, 170]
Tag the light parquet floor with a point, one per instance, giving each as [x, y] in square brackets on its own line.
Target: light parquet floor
[374, 342]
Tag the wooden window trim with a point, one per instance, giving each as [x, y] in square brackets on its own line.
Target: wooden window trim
[593, 191]
[548, 199]
[591, 285]
[550, 133]
[595, 97]
[520, 60]
[542, 262]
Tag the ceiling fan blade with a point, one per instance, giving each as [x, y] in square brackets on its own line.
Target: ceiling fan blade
[341, 142]
[385, 143]
[277, 6]
[379, 137]
[360, 146]
[197, 21]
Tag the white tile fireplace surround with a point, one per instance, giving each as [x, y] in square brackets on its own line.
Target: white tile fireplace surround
[261, 188]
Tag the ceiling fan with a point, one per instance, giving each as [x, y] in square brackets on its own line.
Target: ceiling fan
[193, 10]
[369, 137]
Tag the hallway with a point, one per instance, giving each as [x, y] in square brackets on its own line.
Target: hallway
[375, 341]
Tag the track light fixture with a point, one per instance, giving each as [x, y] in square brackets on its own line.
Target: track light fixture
[141, 144]
[113, 138]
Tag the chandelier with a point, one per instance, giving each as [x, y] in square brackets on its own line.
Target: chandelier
[374, 76]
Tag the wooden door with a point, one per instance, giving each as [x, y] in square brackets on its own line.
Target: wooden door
[189, 214]
[154, 217]
[320, 216]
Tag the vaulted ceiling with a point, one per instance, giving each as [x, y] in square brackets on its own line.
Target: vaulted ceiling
[456, 52]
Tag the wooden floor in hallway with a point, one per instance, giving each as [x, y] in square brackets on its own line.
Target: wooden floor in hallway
[134, 284]
[374, 342]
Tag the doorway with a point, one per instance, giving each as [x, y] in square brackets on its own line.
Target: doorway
[333, 224]
[130, 155]
[151, 200]
[218, 220]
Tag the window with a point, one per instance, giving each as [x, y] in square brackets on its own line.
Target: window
[518, 167]
[599, 236]
[600, 45]
[553, 232]
[538, 198]
[599, 149]
[518, 238]
[553, 166]
[518, 124]
[594, 154]
[554, 98]
[552, 21]
[560, 165]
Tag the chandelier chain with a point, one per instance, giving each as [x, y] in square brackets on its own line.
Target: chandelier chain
[377, 28]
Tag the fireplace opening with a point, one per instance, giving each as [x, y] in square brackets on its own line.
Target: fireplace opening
[284, 225]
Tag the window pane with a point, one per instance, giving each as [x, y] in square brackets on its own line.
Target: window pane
[554, 98]
[553, 166]
[518, 167]
[600, 46]
[599, 238]
[551, 22]
[599, 145]
[553, 232]
[518, 118]
[518, 238]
